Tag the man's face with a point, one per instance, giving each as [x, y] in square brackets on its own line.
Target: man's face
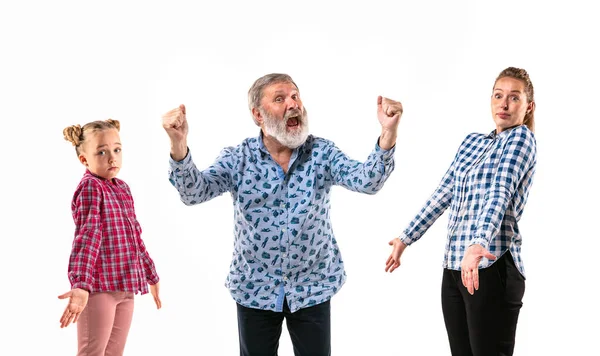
[282, 114]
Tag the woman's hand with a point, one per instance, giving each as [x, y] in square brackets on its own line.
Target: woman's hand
[470, 266]
[393, 261]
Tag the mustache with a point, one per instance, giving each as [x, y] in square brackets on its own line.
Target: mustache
[295, 113]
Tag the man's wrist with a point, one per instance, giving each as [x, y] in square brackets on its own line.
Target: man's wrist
[387, 139]
[179, 151]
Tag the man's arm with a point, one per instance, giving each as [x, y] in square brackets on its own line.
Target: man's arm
[194, 186]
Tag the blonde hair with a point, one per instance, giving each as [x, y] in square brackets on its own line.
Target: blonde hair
[522, 75]
[77, 134]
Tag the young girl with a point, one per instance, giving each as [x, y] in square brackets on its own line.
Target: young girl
[109, 262]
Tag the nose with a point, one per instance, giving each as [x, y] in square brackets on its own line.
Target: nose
[504, 104]
[292, 104]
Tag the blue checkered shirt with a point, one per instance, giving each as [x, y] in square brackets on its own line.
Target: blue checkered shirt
[284, 244]
[486, 188]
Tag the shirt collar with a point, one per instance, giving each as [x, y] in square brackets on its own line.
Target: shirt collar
[493, 134]
[87, 173]
[263, 149]
[261, 143]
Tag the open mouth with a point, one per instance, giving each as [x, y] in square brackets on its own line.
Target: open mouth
[293, 121]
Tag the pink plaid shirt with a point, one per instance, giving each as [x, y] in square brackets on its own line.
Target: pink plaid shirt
[108, 253]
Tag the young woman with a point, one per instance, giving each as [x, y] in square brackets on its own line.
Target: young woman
[486, 188]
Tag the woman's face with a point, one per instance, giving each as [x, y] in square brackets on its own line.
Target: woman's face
[509, 103]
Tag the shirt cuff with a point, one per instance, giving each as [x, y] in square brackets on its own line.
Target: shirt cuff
[153, 279]
[180, 165]
[405, 239]
[82, 285]
[479, 241]
[384, 154]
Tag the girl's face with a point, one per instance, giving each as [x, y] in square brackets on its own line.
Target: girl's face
[101, 153]
[509, 103]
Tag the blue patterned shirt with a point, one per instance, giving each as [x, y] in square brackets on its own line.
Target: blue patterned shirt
[486, 188]
[284, 243]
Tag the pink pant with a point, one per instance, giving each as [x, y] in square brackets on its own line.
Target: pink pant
[103, 325]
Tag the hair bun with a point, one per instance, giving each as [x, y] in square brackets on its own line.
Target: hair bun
[115, 123]
[73, 134]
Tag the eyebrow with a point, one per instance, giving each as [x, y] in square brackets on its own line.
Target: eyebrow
[105, 145]
[279, 92]
[512, 91]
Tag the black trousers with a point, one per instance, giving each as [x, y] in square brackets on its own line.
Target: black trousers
[309, 328]
[483, 324]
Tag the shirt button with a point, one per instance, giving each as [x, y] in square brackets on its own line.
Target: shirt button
[285, 278]
[284, 229]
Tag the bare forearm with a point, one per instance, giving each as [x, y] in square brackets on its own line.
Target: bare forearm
[387, 140]
[178, 150]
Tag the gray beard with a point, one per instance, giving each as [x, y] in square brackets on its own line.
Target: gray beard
[277, 129]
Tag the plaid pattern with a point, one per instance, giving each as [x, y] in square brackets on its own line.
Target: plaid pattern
[108, 253]
[284, 244]
[486, 188]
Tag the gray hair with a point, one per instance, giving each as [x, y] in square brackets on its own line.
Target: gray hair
[255, 94]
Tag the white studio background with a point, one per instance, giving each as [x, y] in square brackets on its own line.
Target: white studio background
[69, 62]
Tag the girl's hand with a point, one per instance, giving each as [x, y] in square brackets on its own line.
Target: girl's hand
[154, 288]
[78, 299]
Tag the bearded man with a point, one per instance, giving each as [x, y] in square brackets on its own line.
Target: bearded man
[286, 261]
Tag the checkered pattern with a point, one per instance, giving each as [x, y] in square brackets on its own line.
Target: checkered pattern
[284, 245]
[108, 253]
[486, 188]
